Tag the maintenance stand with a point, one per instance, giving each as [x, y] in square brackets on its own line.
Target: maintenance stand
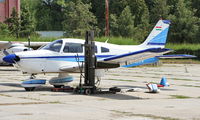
[89, 87]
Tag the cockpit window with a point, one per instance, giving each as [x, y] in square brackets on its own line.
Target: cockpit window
[73, 48]
[54, 46]
[103, 50]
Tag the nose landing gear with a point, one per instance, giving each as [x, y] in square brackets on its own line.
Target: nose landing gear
[31, 83]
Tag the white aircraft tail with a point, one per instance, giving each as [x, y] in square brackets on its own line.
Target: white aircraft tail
[158, 36]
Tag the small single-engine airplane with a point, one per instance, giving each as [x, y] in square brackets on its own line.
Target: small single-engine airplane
[64, 56]
[7, 47]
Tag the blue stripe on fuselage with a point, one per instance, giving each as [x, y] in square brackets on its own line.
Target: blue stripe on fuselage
[66, 58]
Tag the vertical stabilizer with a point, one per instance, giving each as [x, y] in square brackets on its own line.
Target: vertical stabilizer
[158, 36]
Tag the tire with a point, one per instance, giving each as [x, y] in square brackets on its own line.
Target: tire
[58, 86]
[88, 91]
[115, 89]
[29, 88]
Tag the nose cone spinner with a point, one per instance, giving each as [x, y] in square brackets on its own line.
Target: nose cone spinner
[12, 58]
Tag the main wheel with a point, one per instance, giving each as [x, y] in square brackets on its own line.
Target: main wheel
[58, 86]
[29, 88]
[88, 91]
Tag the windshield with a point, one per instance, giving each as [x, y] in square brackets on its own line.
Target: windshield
[54, 46]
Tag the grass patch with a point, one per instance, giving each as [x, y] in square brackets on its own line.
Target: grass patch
[25, 114]
[191, 86]
[122, 80]
[30, 98]
[55, 102]
[180, 61]
[5, 95]
[113, 40]
[118, 40]
[180, 97]
[183, 46]
[130, 114]
[116, 74]
[183, 79]
[138, 76]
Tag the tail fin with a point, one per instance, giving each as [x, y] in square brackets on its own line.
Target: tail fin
[158, 36]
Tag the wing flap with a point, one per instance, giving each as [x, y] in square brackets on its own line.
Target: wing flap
[70, 68]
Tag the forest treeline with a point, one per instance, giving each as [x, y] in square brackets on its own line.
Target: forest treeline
[128, 18]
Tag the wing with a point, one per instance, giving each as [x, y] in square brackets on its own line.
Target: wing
[121, 60]
[130, 58]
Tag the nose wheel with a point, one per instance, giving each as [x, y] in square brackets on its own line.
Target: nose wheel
[31, 83]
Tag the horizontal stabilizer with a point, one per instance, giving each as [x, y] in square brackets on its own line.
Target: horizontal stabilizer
[176, 56]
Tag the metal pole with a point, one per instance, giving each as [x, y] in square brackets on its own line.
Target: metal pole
[89, 59]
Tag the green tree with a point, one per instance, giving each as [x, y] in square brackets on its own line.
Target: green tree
[185, 26]
[78, 19]
[4, 31]
[14, 23]
[98, 9]
[126, 23]
[114, 25]
[27, 21]
[49, 15]
[196, 5]
[158, 9]
[140, 10]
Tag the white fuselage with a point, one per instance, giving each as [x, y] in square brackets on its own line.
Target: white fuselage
[48, 61]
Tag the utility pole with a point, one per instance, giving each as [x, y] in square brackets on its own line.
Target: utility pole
[107, 17]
